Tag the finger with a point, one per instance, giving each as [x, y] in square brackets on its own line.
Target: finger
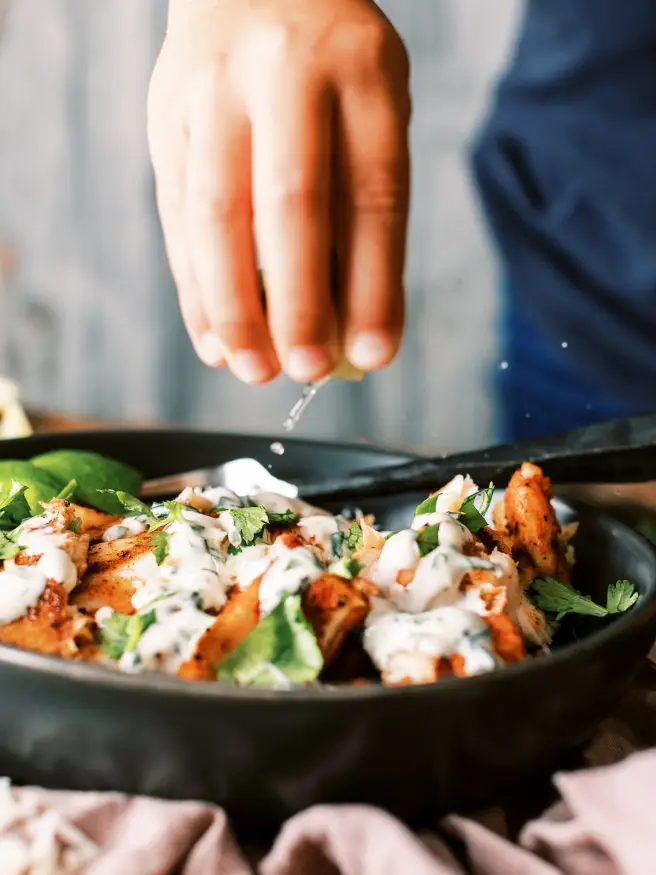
[220, 234]
[291, 172]
[375, 175]
[168, 150]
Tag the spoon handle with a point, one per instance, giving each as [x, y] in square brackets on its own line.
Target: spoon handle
[617, 451]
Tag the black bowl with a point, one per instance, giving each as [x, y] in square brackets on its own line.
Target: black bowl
[418, 751]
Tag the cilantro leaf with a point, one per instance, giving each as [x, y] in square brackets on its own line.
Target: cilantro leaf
[281, 650]
[160, 543]
[473, 514]
[14, 507]
[130, 504]
[249, 522]
[621, 596]
[68, 491]
[558, 598]
[175, 511]
[120, 633]
[287, 518]
[427, 506]
[354, 537]
[76, 525]
[428, 539]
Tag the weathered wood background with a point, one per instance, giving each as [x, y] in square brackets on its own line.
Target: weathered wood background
[89, 324]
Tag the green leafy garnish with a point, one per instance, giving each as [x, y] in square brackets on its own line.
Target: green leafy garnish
[249, 522]
[120, 633]
[13, 504]
[287, 518]
[427, 506]
[160, 543]
[621, 596]
[41, 485]
[281, 650]
[76, 525]
[474, 507]
[428, 539]
[68, 491]
[354, 537]
[560, 599]
[9, 546]
[97, 476]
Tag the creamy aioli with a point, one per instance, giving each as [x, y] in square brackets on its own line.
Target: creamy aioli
[21, 587]
[442, 632]
[291, 570]
[131, 525]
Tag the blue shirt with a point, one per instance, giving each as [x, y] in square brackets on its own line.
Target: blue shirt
[566, 168]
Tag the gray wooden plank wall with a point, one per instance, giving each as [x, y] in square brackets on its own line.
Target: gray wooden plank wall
[90, 323]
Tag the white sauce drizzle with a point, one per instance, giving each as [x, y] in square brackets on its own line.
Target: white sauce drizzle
[131, 525]
[291, 570]
[21, 586]
[441, 632]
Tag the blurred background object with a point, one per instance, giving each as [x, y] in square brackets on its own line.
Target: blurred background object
[90, 321]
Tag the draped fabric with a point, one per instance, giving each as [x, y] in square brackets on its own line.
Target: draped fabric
[89, 322]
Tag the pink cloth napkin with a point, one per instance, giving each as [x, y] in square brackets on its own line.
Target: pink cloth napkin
[604, 825]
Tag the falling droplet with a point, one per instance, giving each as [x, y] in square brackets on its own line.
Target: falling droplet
[297, 410]
[278, 448]
[504, 365]
[527, 415]
[564, 344]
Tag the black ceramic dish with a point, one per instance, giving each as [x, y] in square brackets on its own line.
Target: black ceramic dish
[418, 751]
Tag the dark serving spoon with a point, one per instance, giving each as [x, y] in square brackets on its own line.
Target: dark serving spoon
[616, 451]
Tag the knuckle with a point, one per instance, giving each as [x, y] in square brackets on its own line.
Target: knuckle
[297, 196]
[210, 207]
[381, 196]
[378, 45]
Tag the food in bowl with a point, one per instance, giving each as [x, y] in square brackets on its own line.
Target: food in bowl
[268, 591]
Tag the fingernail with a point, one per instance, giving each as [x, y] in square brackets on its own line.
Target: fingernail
[211, 350]
[307, 363]
[250, 366]
[371, 349]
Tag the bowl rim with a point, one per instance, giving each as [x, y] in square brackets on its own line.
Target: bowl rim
[161, 685]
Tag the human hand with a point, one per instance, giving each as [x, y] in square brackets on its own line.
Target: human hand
[285, 122]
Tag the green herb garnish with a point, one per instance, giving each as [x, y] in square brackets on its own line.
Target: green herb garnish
[9, 546]
[427, 506]
[14, 507]
[68, 491]
[249, 522]
[281, 650]
[96, 476]
[130, 505]
[120, 633]
[288, 518]
[474, 507]
[560, 599]
[354, 537]
[160, 543]
[428, 539]
[76, 525]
